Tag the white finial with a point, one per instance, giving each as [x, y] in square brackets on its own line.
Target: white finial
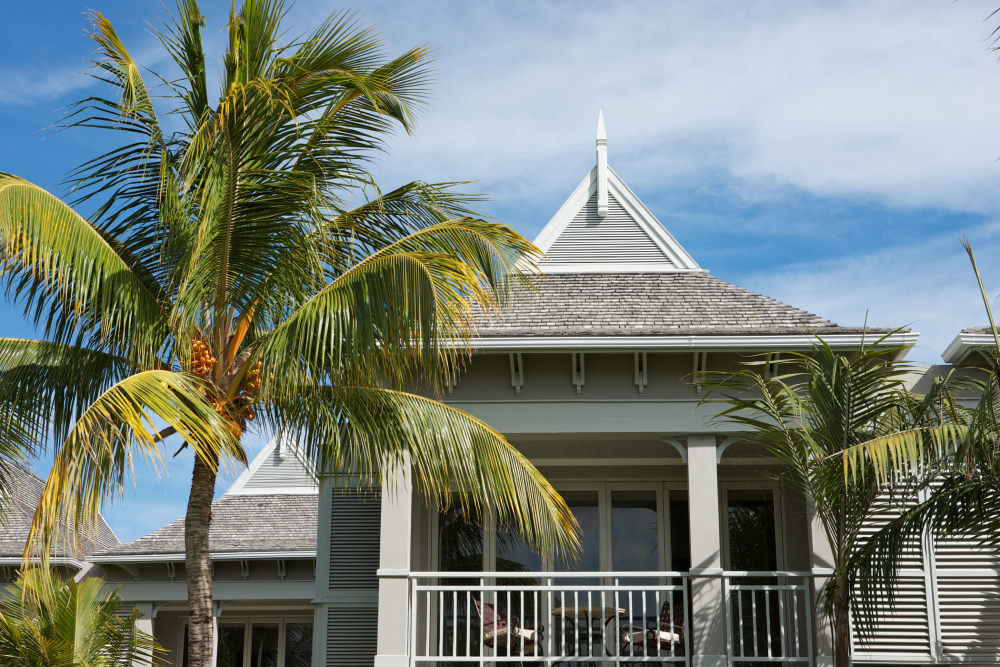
[602, 167]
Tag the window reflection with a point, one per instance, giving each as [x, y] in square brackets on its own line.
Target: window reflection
[298, 644]
[264, 646]
[230, 651]
[634, 531]
[460, 541]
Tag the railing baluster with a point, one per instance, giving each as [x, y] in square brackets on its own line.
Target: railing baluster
[468, 621]
[428, 620]
[454, 623]
[795, 623]
[782, 618]
[521, 616]
[767, 620]
[739, 621]
[809, 630]
[440, 623]
[753, 612]
[590, 633]
[482, 622]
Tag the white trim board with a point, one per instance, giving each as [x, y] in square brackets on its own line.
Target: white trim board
[964, 344]
[740, 342]
[220, 556]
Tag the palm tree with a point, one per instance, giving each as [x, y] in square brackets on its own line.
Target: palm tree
[47, 622]
[825, 402]
[958, 469]
[244, 269]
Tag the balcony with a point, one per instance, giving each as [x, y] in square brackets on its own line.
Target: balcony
[474, 618]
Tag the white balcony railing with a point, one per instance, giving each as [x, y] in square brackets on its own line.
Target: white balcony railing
[770, 617]
[602, 617]
[547, 617]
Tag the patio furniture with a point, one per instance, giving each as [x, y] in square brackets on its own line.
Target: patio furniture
[507, 638]
[668, 633]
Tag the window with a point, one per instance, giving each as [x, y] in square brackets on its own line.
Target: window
[625, 526]
[261, 642]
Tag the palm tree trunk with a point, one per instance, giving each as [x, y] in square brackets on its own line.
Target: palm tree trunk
[198, 565]
[841, 631]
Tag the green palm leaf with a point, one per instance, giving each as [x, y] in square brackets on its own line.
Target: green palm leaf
[71, 280]
[455, 459]
[119, 427]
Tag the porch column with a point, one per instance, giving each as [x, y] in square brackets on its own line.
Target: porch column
[708, 618]
[145, 621]
[821, 564]
[395, 553]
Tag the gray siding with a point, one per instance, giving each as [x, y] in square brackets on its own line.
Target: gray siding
[616, 238]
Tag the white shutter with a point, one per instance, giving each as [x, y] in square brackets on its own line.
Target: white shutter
[968, 582]
[904, 633]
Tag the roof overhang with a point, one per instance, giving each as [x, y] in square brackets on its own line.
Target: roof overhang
[732, 342]
[218, 556]
[965, 344]
[53, 560]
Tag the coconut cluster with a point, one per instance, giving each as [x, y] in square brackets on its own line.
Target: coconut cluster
[202, 360]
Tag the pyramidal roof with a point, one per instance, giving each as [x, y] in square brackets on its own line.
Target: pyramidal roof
[613, 276]
[604, 227]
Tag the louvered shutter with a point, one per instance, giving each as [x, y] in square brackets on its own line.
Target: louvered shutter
[904, 633]
[352, 622]
[351, 637]
[355, 523]
[968, 583]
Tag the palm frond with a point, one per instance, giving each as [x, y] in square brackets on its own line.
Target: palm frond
[455, 459]
[71, 281]
[118, 428]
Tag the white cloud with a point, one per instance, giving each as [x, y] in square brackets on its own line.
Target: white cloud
[31, 87]
[928, 286]
[892, 99]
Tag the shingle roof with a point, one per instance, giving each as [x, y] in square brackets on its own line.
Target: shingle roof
[241, 524]
[27, 490]
[646, 304]
[985, 329]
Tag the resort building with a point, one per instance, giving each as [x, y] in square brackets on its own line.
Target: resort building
[692, 552]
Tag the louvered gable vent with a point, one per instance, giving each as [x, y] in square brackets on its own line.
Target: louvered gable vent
[615, 238]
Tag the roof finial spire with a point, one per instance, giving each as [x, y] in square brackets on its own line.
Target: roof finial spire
[602, 167]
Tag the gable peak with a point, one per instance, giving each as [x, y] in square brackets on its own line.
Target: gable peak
[604, 228]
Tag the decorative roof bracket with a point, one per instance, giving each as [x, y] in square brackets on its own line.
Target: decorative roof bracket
[641, 371]
[516, 372]
[578, 372]
[699, 367]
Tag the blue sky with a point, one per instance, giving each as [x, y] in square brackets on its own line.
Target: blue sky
[826, 154]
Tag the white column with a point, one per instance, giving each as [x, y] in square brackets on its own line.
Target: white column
[144, 623]
[396, 549]
[708, 629]
[821, 564]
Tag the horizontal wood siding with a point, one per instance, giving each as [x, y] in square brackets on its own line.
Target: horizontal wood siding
[278, 473]
[617, 238]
